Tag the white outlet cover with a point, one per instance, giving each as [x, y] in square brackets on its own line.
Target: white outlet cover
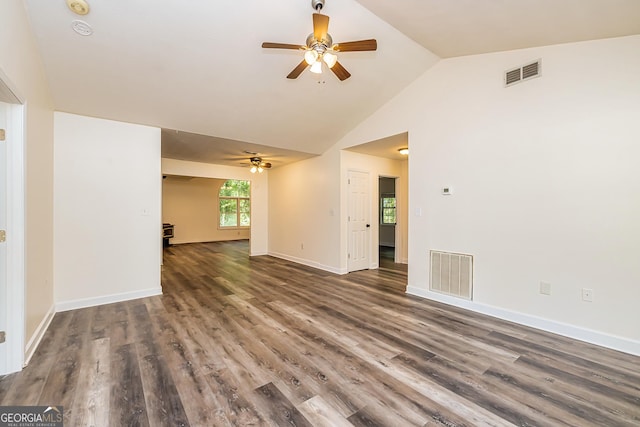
[545, 288]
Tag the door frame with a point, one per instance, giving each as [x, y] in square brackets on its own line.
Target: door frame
[396, 233]
[15, 194]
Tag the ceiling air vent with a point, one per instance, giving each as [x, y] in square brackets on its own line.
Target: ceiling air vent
[523, 73]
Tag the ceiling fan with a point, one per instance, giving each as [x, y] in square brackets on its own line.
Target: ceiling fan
[319, 47]
[257, 165]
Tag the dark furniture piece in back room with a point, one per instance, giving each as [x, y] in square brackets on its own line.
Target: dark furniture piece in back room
[167, 233]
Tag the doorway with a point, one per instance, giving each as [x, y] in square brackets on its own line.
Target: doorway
[12, 217]
[4, 109]
[388, 214]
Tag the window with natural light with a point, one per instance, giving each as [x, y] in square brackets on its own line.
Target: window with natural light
[388, 210]
[235, 204]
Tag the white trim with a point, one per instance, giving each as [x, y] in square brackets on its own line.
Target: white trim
[594, 337]
[308, 263]
[15, 238]
[38, 334]
[106, 299]
[258, 253]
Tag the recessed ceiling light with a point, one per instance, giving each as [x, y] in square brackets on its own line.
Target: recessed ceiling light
[79, 7]
[81, 27]
[404, 151]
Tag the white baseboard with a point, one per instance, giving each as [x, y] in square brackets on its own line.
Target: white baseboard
[594, 337]
[35, 339]
[261, 253]
[107, 299]
[308, 263]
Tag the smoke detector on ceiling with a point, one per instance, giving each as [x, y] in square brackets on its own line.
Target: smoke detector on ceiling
[81, 27]
[79, 7]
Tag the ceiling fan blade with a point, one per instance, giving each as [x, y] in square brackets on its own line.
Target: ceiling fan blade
[340, 71]
[269, 45]
[320, 26]
[298, 70]
[357, 46]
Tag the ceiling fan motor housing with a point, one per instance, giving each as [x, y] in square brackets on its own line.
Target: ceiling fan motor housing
[326, 42]
[317, 4]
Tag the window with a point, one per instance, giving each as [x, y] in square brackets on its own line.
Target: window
[388, 210]
[235, 204]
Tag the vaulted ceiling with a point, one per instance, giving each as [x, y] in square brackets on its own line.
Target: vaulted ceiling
[198, 67]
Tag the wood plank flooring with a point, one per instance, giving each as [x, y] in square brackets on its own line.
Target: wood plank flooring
[239, 341]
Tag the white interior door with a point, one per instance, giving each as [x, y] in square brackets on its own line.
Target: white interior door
[4, 108]
[359, 226]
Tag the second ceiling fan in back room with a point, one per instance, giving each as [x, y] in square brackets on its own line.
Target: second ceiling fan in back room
[320, 48]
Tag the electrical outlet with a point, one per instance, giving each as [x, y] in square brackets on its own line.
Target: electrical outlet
[587, 295]
[545, 288]
[302, 246]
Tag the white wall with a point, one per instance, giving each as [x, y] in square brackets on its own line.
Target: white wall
[191, 205]
[304, 212]
[259, 193]
[20, 62]
[402, 227]
[107, 225]
[545, 183]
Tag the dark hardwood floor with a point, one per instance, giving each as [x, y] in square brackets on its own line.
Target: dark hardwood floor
[386, 259]
[261, 341]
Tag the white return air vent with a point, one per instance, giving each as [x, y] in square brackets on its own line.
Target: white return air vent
[520, 74]
[452, 274]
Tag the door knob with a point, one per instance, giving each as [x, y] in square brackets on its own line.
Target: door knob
[368, 225]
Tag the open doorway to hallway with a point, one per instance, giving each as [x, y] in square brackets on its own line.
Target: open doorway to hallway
[388, 256]
[12, 226]
[386, 160]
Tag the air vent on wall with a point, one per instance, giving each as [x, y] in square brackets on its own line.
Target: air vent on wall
[523, 73]
[452, 274]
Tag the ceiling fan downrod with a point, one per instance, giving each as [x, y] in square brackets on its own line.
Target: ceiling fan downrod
[317, 5]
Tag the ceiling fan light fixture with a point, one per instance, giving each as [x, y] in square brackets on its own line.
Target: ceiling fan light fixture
[316, 67]
[311, 56]
[320, 48]
[330, 59]
[257, 165]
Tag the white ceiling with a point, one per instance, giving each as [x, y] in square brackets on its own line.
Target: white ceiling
[469, 27]
[388, 147]
[221, 151]
[197, 66]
